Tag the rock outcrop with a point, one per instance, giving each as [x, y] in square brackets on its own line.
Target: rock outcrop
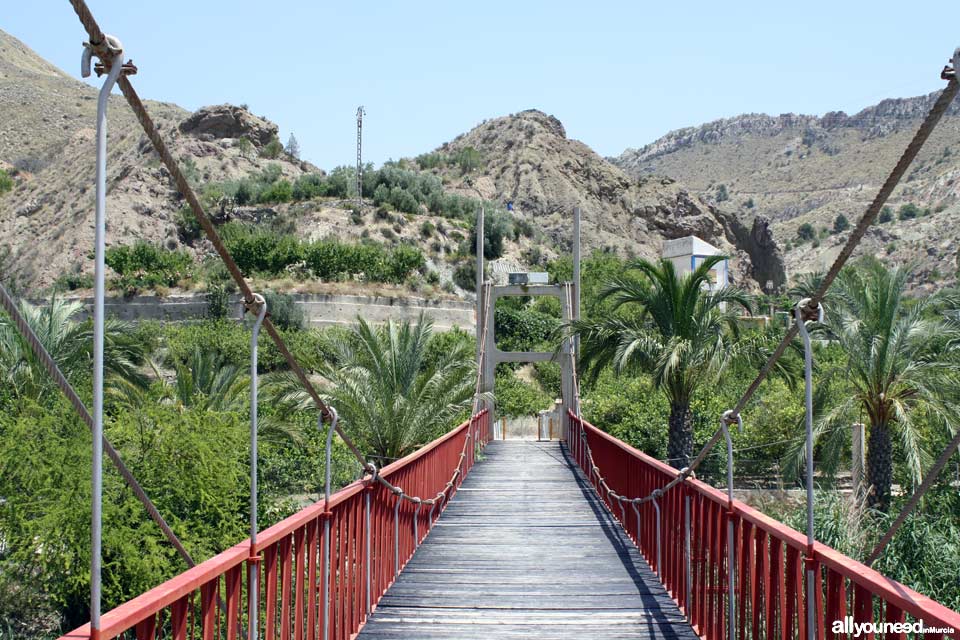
[228, 121]
[528, 160]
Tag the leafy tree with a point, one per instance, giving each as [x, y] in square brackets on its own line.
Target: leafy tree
[70, 343]
[806, 232]
[293, 147]
[391, 397]
[900, 365]
[272, 149]
[840, 224]
[684, 335]
[497, 225]
[192, 464]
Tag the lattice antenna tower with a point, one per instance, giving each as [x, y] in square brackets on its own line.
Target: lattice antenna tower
[360, 113]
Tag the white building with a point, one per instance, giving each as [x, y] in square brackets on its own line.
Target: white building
[688, 253]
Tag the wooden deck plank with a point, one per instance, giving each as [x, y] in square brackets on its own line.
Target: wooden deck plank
[525, 550]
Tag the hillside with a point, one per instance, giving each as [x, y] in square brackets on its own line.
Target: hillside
[46, 221]
[797, 169]
[527, 159]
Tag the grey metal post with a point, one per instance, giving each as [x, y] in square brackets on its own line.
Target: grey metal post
[808, 422]
[731, 553]
[416, 523]
[254, 406]
[326, 521]
[366, 520]
[98, 322]
[396, 537]
[687, 558]
[656, 508]
[479, 285]
[575, 312]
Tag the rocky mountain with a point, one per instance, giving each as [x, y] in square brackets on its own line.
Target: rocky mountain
[46, 221]
[527, 159]
[800, 169]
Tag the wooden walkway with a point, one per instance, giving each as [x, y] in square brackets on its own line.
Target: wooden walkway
[525, 550]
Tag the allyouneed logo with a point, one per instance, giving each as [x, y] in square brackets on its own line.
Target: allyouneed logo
[857, 629]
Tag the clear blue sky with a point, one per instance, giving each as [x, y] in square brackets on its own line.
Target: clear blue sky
[617, 74]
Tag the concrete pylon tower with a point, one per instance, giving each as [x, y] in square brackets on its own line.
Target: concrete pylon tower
[570, 310]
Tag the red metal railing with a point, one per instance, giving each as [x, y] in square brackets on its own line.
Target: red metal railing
[211, 600]
[771, 558]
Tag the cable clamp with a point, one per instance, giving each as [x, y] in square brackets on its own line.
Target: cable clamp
[808, 313]
[729, 418]
[950, 72]
[397, 491]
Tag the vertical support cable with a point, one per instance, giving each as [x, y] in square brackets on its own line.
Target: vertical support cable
[254, 557]
[327, 514]
[808, 423]
[725, 422]
[98, 328]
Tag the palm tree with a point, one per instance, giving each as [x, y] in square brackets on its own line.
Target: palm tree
[391, 397]
[680, 332]
[70, 343]
[901, 362]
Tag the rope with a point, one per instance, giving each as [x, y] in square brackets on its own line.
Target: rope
[54, 370]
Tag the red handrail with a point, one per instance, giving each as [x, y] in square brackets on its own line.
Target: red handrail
[211, 600]
[771, 558]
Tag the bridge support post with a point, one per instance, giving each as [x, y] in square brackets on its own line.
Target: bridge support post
[687, 560]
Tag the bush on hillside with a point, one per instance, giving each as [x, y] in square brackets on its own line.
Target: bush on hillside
[143, 265]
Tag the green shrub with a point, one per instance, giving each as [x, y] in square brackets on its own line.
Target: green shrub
[278, 192]
[188, 229]
[257, 250]
[284, 312]
[427, 229]
[6, 182]
[272, 149]
[497, 225]
[886, 215]
[524, 330]
[465, 275]
[806, 232]
[840, 224]
[143, 265]
[308, 186]
[468, 159]
[908, 212]
[516, 398]
[722, 194]
[218, 301]
[74, 281]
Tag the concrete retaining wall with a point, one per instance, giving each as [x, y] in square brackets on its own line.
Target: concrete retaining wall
[320, 310]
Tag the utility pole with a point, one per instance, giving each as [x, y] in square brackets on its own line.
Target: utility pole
[360, 114]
